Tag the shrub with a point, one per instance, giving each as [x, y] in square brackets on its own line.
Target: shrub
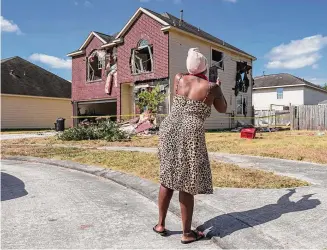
[106, 130]
[150, 99]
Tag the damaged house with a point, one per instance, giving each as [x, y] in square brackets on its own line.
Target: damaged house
[108, 71]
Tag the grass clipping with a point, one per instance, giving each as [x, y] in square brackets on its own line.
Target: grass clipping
[146, 165]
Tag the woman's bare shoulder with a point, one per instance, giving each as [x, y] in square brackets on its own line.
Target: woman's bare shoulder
[178, 76]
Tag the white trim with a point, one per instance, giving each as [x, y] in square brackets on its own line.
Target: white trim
[88, 39]
[119, 40]
[275, 87]
[206, 40]
[100, 38]
[294, 85]
[108, 45]
[37, 97]
[137, 13]
[113, 43]
[91, 100]
[76, 53]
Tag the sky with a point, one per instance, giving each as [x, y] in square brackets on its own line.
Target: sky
[286, 36]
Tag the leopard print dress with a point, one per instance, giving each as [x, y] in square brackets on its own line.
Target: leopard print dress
[184, 161]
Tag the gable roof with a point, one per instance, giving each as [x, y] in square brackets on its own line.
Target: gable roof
[104, 38]
[21, 77]
[185, 26]
[282, 80]
[167, 20]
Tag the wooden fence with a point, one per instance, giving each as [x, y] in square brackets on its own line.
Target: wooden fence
[309, 117]
[268, 118]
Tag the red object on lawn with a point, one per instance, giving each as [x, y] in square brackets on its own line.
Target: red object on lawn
[248, 133]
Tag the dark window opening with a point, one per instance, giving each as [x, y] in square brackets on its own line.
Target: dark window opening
[217, 59]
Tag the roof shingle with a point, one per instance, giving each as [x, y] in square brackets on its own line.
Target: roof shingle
[21, 77]
[279, 80]
[185, 26]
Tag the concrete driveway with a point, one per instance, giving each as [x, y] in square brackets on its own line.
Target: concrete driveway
[49, 207]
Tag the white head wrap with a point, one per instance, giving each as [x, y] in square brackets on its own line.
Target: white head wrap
[196, 62]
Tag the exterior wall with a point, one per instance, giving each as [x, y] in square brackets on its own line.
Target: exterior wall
[263, 98]
[313, 96]
[21, 112]
[143, 28]
[81, 89]
[179, 45]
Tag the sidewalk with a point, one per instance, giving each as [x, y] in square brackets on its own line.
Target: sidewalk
[27, 135]
[245, 218]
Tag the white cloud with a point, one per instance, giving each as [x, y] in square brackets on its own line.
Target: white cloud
[88, 4]
[297, 54]
[52, 61]
[231, 1]
[9, 26]
[315, 66]
[294, 62]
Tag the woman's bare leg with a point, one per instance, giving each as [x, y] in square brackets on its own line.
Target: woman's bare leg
[165, 195]
[186, 201]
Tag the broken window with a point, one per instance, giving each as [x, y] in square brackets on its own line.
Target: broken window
[217, 59]
[142, 58]
[241, 105]
[95, 63]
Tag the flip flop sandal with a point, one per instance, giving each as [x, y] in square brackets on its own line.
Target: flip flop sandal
[197, 237]
[162, 233]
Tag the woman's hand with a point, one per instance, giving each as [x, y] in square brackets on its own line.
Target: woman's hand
[218, 82]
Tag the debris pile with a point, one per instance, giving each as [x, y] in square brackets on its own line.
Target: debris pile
[143, 125]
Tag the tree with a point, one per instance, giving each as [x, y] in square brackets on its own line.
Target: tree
[325, 86]
[150, 99]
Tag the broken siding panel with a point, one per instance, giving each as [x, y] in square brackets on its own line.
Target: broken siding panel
[178, 48]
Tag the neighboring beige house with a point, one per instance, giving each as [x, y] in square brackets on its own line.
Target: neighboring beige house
[279, 91]
[31, 97]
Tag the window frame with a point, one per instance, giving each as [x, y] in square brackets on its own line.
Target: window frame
[280, 95]
[133, 62]
[243, 97]
[88, 80]
[219, 64]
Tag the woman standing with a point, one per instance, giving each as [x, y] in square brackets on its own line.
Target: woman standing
[184, 161]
